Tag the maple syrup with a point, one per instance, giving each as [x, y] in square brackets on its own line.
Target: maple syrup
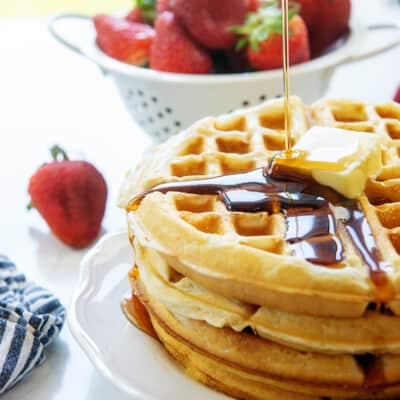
[286, 62]
[135, 311]
[372, 367]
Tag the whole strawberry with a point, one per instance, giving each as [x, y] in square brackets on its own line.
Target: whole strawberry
[262, 34]
[123, 40]
[71, 197]
[397, 96]
[174, 51]
[208, 21]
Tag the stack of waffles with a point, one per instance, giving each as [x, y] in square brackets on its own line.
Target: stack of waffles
[225, 292]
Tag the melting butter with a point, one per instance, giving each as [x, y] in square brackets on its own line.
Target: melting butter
[342, 159]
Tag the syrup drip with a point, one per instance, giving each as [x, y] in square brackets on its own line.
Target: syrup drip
[372, 367]
[253, 181]
[286, 62]
[361, 234]
[313, 235]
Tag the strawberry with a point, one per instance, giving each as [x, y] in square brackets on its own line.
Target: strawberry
[308, 11]
[397, 95]
[123, 40]
[208, 21]
[174, 51]
[71, 197]
[331, 20]
[135, 15]
[252, 5]
[162, 5]
[262, 32]
[143, 12]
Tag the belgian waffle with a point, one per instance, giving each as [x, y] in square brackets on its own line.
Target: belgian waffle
[243, 255]
[249, 367]
[375, 332]
[226, 293]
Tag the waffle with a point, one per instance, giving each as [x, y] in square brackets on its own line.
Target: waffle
[244, 255]
[226, 293]
[375, 332]
[248, 367]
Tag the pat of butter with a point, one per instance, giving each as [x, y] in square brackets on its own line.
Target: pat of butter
[339, 158]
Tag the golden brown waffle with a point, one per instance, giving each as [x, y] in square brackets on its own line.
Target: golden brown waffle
[248, 367]
[375, 332]
[244, 255]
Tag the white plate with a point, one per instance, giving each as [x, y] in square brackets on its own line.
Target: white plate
[128, 358]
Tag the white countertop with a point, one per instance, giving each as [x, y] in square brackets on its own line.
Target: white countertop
[49, 95]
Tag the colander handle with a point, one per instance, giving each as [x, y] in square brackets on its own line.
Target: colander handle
[378, 50]
[83, 49]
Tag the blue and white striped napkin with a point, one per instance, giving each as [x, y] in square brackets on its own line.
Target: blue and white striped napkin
[30, 318]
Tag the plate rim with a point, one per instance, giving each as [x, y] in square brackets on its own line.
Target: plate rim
[83, 289]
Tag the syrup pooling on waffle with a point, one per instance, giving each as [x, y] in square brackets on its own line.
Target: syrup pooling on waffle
[311, 227]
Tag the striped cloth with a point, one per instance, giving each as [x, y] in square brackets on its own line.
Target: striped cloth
[30, 318]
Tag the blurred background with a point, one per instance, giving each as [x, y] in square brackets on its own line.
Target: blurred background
[44, 7]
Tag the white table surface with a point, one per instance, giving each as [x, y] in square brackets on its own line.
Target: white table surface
[49, 95]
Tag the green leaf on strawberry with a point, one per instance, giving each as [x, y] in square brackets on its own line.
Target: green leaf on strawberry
[148, 9]
[261, 24]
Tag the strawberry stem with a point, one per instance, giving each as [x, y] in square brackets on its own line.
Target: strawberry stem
[29, 206]
[261, 24]
[56, 151]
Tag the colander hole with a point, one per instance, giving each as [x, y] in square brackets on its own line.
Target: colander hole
[277, 96]
[150, 119]
[166, 129]
[140, 93]
[168, 110]
[160, 115]
[177, 123]
[154, 99]
[263, 97]
[245, 103]
[144, 104]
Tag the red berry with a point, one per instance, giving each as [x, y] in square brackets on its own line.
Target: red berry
[330, 22]
[123, 40]
[269, 53]
[162, 5]
[174, 51]
[253, 5]
[208, 21]
[397, 95]
[71, 197]
[308, 11]
[135, 15]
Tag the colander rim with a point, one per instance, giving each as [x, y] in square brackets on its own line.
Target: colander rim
[331, 59]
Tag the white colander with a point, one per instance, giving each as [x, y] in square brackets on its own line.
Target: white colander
[164, 103]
